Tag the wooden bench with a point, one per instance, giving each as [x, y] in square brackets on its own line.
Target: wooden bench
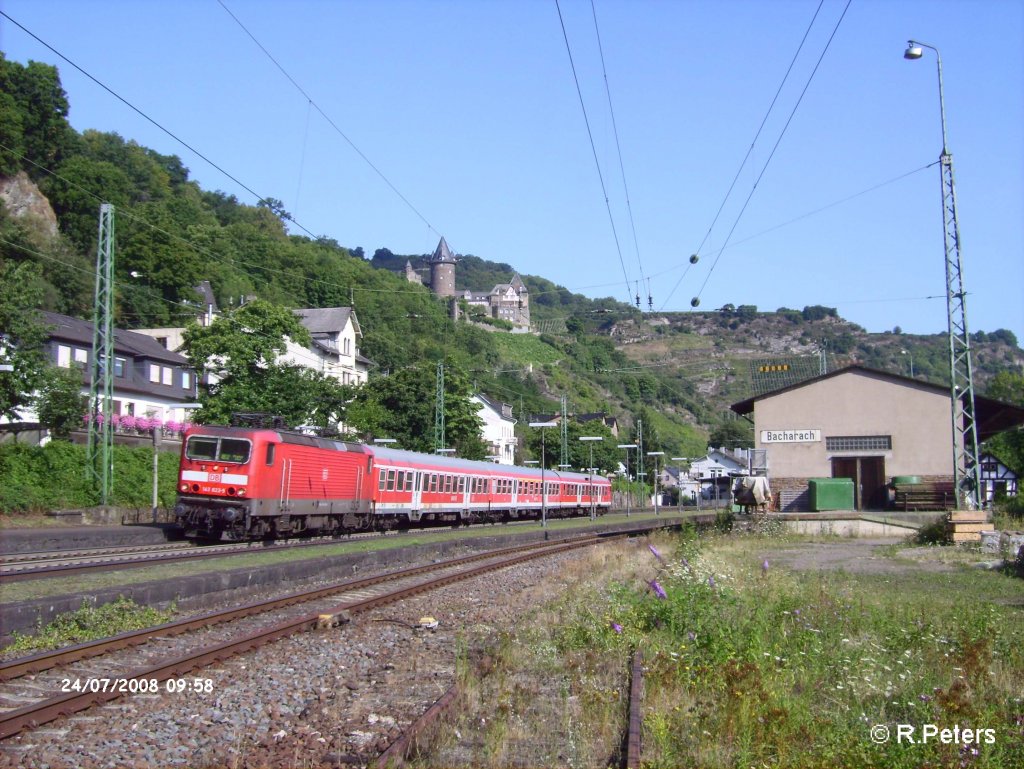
[938, 495]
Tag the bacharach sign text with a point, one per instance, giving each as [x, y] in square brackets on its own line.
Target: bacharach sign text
[790, 436]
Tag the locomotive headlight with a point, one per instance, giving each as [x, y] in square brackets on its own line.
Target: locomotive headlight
[184, 487]
[241, 493]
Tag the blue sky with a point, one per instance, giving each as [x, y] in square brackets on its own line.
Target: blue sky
[469, 109]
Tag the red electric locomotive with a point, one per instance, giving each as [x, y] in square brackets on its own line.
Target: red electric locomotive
[241, 483]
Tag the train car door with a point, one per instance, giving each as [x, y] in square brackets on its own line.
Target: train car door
[417, 490]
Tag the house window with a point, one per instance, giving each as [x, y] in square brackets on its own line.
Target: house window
[168, 376]
[347, 346]
[154, 373]
[186, 380]
[119, 367]
[858, 443]
[63, 356]
[81, 356]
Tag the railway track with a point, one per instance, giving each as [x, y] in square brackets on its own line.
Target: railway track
[16, 567]
[31, 686]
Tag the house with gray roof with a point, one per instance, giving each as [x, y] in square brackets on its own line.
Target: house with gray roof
[149, 381]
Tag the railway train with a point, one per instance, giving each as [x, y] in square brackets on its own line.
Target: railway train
[241, 483]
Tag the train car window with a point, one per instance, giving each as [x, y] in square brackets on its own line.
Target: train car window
[448, 484]
[433, 482]
[210, 449]
[410, 479]
[271, 447]
[400, 481]
[391, 480]
[462, 484]
[201, 448]
[234, 450]
[382, 475]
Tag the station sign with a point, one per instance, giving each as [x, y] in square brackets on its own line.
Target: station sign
[790, 436]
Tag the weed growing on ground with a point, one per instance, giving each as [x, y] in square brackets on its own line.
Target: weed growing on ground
[750, 665]
[87, 624]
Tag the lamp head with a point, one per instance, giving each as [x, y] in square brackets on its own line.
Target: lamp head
[913, 51]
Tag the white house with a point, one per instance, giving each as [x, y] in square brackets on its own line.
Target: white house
[335, 347]
[498, 429]
[334, 350]
[715, 470]
[996, 479]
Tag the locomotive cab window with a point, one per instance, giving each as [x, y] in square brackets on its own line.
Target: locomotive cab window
[211, 449]
[270, 454]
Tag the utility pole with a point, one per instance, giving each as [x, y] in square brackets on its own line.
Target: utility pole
[99, 463]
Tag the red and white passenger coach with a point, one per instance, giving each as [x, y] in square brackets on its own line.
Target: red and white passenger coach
[244, 483]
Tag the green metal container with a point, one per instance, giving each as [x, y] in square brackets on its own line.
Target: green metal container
[830, 494]
[906, 479]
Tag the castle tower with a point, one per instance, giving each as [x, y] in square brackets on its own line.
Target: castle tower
[442, 270]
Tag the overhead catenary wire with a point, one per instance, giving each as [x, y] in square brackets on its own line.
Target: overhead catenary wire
[593, 147]
[127, 213]
[778, 141]
[618, 146]
[330, 122]
[298, 353]
[750, 149]
[260, 198]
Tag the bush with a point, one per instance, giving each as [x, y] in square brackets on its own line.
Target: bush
[53, 477]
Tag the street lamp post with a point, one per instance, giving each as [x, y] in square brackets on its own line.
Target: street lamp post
[627, 447]
[656, 454]
[543, 465]
[966, 468]
[591, 439]
[911, 356]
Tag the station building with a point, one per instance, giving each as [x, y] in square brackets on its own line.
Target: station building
[862, 424]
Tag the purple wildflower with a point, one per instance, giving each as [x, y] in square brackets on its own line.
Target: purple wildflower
[711, 581]
[764, 566]
[654, 550]
[617, 627]
[691, 636]
[658, 589]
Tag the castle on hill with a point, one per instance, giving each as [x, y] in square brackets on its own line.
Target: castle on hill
[506, 301]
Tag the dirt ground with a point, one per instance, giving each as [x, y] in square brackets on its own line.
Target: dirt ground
[869, 556]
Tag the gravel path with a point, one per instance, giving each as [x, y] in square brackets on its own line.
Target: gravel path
[328, 698]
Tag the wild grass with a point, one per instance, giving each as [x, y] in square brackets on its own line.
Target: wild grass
[87, 624]
[749, 664]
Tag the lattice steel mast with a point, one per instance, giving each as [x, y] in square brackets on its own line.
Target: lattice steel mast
[966, 467]
[100, 464]
[439, 410]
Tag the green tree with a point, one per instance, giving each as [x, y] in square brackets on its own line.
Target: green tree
[22, 336]
[606, 455]
[241, 349]
[1007, 386]
[1008, 446]
[401, 406]
[733, 434]
[60, 403]
[35, 114]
